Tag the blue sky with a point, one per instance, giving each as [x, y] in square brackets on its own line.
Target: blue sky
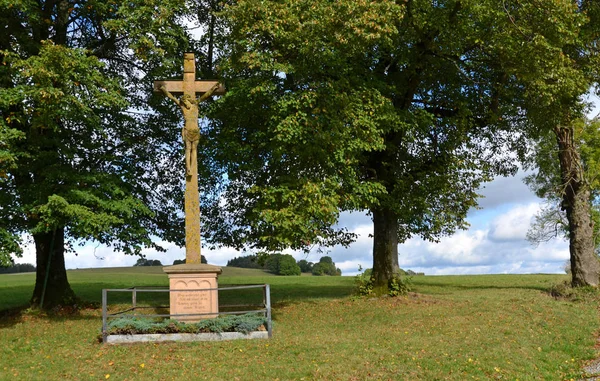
[494, 244]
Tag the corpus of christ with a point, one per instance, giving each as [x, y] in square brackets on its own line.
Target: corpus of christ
[192, 305]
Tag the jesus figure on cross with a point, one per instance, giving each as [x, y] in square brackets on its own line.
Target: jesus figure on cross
[189, 88]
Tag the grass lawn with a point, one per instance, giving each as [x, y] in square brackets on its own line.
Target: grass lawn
[450, 328]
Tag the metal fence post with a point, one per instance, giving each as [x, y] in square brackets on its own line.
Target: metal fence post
[134, 298]
[104, 313]
[269, 323]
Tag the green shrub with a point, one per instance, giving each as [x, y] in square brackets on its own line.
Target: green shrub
[364, 284]
[225, 323]
[272, 263]
[399, 285]
[576, 294]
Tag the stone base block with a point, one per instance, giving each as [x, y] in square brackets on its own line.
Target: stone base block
[193, 277]
[185, 337]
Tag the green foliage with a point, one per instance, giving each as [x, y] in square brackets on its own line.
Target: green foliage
[224, 323]
[147, 262]
[365, 286]
[399, 285]
[17, 268]
[282, 264]
[363, 283]
[85, 146]
[246, 261]
[288, 266]
[272, 263]
[325, 266]
[566, 291]
[182, 261]
[305, 266]
[402, 107]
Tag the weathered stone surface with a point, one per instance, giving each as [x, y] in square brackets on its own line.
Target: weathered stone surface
[193, 277]
[192, 268]
[185, 337]
[189, 88]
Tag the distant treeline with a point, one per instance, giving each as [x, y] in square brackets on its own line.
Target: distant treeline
[18, 268]
[246, 262]
[182, 261]
[285, 264]
[147, 262]
[156, 262]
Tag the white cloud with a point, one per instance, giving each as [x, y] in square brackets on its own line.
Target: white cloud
[495, 244]
[513, 225]
[458, 247]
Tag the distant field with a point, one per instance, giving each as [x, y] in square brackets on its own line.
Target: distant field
[16, 289]
[450, 328]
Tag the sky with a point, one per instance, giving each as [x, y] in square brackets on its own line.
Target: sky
[495, 242]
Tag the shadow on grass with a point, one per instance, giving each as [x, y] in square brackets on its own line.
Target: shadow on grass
[454, 287]
[11, 317]
[283, 293]
[536, 282]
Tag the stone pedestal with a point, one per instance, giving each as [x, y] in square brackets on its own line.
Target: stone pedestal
[193, 277]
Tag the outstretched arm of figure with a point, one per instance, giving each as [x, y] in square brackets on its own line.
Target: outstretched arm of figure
[168, 94]
[209, 93]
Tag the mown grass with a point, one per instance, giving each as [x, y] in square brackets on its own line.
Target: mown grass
[449, 328]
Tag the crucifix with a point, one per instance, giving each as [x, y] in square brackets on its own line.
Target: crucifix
[188, 90]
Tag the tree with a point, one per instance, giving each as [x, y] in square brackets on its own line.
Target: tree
[282, 264]
[305, 266]
[288, 266]
[246, 261]
[18, 268]
[182, 261]
[272, 263]
[326, 266]
[553, 220]
[147, 262]
[400, 109]
[565, 176]
[79, 157]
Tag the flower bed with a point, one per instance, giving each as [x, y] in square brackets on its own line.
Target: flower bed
[225, 327]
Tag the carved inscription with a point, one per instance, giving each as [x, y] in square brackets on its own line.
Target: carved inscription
[193, 302]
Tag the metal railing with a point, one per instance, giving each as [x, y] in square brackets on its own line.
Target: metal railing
[264, 307]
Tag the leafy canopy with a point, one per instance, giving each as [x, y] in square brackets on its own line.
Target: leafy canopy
[405, 107]
[78, 148]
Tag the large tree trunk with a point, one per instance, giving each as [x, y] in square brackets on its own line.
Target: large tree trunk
[385, 249]
[585, 268]
[51, 274]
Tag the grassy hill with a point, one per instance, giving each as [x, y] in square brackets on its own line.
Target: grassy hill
[449, 328]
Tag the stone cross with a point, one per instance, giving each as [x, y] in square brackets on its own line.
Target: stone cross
[188, 90]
